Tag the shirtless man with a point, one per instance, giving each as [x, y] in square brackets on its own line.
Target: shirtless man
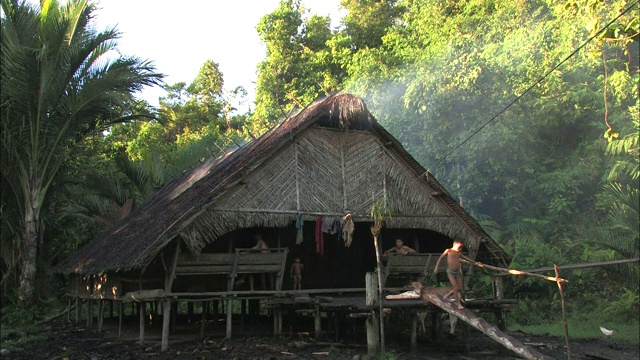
[260, 243]
[400, 248]
[296, 274]
[454, 271]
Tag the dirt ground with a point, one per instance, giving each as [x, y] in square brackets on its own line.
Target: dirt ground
[68, 341]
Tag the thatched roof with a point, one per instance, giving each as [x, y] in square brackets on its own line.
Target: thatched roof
[269, 181]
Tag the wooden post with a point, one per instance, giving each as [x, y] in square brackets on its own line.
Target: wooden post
[372, 323]
[498, 287]
[78, 310]
[379, 287]
[229, 316]
[89, 312]
[120, 315]
[317, 322]
[166, 305]
[465, 339]
[69, 312]
[141, 310]
[216, 311]
[203, 320]
[564, 313]
[414, 332]
[498, 293]
[243, 313]
[100, 314]
[174, 316]
[434, 325]
[275, 322]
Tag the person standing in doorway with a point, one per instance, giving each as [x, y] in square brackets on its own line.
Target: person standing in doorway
[296, 274]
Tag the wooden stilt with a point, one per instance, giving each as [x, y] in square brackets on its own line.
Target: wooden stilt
[174, 316]
[89, 312]
[203, 320]
[317, 322]
[69, 312]
[100, 314]
[166, 305]
[414, 332]
[501, 316]
[243, 312]
[465, 339]
[216, 311]
[120, 315]
[141, 311]
[229, 317]
[434, 325]
[78, 310]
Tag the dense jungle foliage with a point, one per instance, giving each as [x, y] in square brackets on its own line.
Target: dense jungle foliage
[527, 111]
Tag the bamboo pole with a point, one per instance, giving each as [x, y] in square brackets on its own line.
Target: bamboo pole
[583, 265]
[564, 313]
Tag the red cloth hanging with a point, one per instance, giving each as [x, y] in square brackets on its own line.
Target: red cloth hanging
[319, 237]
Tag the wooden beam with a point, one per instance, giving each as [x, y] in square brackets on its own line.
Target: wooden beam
[323, 213]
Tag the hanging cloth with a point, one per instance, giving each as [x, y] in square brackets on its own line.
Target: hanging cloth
[329, 225]
[319, 238]
[347, 230]
[299, 224]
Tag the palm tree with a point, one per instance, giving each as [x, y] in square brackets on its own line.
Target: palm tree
[59, 84]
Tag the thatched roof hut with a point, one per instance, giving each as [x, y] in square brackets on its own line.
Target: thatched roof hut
[331, 159]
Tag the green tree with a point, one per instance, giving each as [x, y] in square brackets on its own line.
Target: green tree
[367, 21]
[299, 66]
[57, 87]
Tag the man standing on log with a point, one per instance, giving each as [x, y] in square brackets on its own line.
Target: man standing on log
[454, 271]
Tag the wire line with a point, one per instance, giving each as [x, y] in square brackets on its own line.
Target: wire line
[536, 83]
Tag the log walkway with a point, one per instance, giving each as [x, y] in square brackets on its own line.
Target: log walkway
[493, 332]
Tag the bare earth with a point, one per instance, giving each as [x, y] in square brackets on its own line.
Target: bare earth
[68, 341]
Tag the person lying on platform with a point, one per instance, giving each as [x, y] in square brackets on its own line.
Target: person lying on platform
[296, 274]
[400, 248]
[454, 271]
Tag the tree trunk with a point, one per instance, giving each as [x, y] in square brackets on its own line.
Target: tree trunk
[29, 251]
[29, 245]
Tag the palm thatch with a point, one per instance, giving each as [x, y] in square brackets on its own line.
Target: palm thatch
[330, 159]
